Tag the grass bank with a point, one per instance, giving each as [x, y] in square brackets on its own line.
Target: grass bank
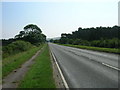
[0, 48]
[40, 74]
[15, 61]
[109, 50]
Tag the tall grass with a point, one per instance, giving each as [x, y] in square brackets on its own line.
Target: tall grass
[15, 61]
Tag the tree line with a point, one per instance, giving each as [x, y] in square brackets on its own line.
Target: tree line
[30, 37]
[31, 33]
[99, 37]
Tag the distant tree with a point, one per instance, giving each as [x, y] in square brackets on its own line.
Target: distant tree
[56, 41]
[51, 40]
[34, 34]
[99, 37]
[32, 28]
[31, 33]
[63, 39]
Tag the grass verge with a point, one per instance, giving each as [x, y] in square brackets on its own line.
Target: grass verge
[40, 74]
[109, 50]
[15, 61]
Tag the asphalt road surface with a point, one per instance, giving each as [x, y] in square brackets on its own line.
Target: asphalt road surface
[86, 68]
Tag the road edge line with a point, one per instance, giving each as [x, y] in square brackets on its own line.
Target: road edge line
[60, 71]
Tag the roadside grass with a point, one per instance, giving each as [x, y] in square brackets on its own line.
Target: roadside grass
[109, 50]
[15, 61]
[0, 53]
[0, 65]
[0, 71]
[40, 74]
[0, 48]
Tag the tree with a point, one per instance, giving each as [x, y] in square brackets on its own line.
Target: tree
[32, 28]
[20, 35]
[99, 37]
[31, 33]
[51, 40]
[34, 34]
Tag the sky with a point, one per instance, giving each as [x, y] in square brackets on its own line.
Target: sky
[57, 17]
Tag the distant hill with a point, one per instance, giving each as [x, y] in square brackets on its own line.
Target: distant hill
[55, 38]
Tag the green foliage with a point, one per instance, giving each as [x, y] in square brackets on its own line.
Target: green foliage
[56, 41]
[15, 61]
[40, 74]
[20, 35]
[109, 43]
[70, 41]
[109, 50]
[15, 47]
[107, 37]
[51, 40]
[76, 42]
[32, 28]
[32, 33]
[5, 42]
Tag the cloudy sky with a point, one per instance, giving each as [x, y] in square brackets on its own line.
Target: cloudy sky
[56, 17]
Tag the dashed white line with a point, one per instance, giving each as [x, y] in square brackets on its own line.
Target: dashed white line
[111, 66]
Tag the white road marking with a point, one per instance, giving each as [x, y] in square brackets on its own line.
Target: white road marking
[111, 66]
[64, 81]
[105, 64]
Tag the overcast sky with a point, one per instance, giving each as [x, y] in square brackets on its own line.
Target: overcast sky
[55, 18]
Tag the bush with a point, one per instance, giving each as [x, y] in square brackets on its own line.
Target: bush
[105, 43]
[113, 43]
[77, 42]
[15, 47]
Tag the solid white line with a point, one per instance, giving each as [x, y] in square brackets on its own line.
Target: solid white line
[111, 66]
[64, 81]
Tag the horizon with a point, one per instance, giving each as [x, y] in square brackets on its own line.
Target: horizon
[61, 33]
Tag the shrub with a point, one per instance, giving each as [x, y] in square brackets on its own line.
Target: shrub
[77, 42]
[15, 47]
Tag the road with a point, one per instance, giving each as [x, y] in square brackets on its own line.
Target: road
[86, 68]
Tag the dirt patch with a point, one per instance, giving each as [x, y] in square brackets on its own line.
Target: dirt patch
[12, 80]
